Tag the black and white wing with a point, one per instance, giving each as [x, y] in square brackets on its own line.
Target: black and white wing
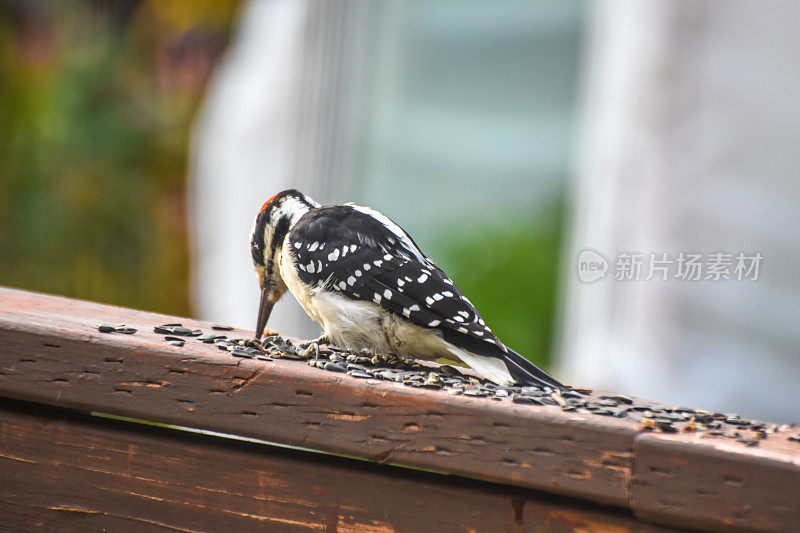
[361, 254]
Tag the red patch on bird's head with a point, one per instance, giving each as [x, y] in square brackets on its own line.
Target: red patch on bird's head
[267, 203]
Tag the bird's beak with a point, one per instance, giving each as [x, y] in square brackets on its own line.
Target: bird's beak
[264, 310]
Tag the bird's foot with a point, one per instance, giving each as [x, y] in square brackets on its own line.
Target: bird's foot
[322, 340]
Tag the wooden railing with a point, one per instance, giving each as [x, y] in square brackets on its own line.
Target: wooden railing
[513, 466]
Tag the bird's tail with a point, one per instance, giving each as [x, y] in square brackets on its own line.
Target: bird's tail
[486, 359]
[526, 373]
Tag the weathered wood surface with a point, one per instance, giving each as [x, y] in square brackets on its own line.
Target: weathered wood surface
[75, 473]
[51, 353]
[703, 483]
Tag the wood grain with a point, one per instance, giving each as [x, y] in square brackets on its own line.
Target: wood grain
[708, 483]
[66, 472]
[51, 353]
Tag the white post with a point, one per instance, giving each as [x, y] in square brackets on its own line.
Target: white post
[278, 115]
[691, 145]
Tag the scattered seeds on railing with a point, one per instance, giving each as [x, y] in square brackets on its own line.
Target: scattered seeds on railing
[220, 327]
[177, 342]
[381, 368]
[105, 328]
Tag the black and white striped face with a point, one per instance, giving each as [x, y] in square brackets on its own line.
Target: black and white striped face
[273, 222]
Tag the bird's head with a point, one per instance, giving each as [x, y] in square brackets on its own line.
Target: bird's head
[272, 224]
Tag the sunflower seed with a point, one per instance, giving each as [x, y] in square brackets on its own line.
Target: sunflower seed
[241, 352]
[177, 329]
[449, 371]
[618, 398]
[522, 398]
[334, 367]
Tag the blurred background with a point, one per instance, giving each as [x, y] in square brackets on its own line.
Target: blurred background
[139, 138]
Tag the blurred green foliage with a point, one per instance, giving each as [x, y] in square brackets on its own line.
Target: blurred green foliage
[509, 271]
[96, 101]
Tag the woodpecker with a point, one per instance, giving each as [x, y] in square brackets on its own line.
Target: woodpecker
[366, 282]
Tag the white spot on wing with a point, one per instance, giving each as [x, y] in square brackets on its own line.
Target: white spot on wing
[406, 311]
[310, 267]
[334, 255]
[463, 330]
[437, 296]
[394, 228]
[447, 293]
[351, 280]
[387, 294]
[422, 278]
[428, 300]
[358, 273]
[314, 246]
[434, 323]
[298, 244]
[376, 298]
[414, 307]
